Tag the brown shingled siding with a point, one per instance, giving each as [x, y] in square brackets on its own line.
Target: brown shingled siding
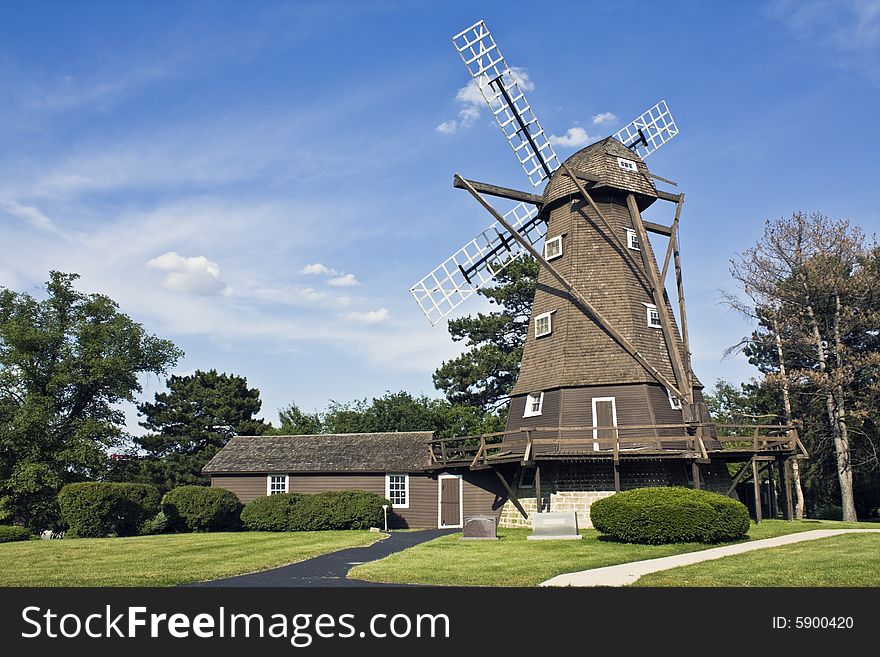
[481, 492]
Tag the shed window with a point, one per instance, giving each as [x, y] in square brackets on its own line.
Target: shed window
[632, 240]
[553, 248]
[534, 402]
[543, 324]
[277, 484]
[397, 490]
[674, 401]
[653, 316]
[627, 165]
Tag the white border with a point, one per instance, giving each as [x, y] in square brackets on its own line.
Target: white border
[613, 401]
[621, 165]
[648, 308]
[630, 235]
[388, 476]
[460, 524]
[527, 412]
[673, 400]
[269, 483]
[549, 317]
[558, 238]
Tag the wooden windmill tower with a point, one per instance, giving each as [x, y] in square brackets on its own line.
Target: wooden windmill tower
[606, 371]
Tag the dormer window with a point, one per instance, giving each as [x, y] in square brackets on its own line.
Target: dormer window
[534, 402]
[543, 324]
[553, 247]
[627, 165]
[632, 240]
[653, 316]
[674, 401]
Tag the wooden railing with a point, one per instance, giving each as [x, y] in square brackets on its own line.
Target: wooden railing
[688, 440]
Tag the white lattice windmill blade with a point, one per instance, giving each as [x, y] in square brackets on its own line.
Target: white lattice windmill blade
[476, 264]
[507, 102]
[649, 131]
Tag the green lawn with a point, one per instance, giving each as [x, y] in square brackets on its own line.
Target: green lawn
[163, 560]
[514, 561]
[846, 560]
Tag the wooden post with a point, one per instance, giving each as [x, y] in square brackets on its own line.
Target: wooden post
[695, 473]
[785, 488]
[539, 500]
[756, 479]
[682, 311]
[771, 492]
[511, 494]
[671, 246]
[669, 336]
[739, 476]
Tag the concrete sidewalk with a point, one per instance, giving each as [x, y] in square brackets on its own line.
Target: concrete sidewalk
[627, 573]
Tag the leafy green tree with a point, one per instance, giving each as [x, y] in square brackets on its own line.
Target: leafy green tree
[66, 363]
[484, 374]
[398, 411]
[191, 422]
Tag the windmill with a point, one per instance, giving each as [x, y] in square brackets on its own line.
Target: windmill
[606, 369]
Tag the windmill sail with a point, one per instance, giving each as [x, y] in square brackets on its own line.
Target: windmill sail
[649, 131]
[475, 264]
[500, 89]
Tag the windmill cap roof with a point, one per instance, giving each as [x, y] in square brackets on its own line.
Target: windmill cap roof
[601, 162]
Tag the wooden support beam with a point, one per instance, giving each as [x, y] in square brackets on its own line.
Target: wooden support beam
[682, 310]
[739, 476]
[660, 302]
[666, 196]
[662, 179]
[756, 484]
[539, 499]
[695, 474]
[592, 312]
[785, 488]
[502, 192]
[616, 465]
[511, 494]
[611, 233]
[660, 229]
[671, 246]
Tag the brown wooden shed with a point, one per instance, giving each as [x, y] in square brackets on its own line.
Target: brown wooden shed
[395, 465]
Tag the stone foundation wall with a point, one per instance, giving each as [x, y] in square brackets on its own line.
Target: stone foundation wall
[577, 501]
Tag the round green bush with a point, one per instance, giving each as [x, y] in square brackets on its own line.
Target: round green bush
[12, 533]
[201, 509]
[341, 509]
[99, 508]
[670, 515]
[158, 524]
[271, 513]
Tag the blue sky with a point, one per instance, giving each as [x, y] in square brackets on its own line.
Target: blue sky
[263, 182]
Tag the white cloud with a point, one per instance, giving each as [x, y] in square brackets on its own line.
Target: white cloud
[317, 269]
[472, 98]
[191, 275]
[605, 118]
[575, 137]
[345, 280]
[369, 317]
[29, 214]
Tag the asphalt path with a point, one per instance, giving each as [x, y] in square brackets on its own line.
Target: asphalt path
[332, 569]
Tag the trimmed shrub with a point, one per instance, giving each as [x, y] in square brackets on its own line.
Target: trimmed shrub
[670, 515]
[201, 509]
[341, 509]
[98, 508]
[271, 513]
[158, 524]
[12, 533]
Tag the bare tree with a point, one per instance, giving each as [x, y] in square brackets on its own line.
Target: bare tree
[805, 273]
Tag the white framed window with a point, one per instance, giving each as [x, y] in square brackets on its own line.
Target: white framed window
[632, 240]
[397, 490]
[674, 401]
[627, 165]
[534, 402]
[276, 484]
[653, 316]
[543, 324]
[553, 247]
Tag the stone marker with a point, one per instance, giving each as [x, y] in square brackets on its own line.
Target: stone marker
[479, 528]
[554, 526]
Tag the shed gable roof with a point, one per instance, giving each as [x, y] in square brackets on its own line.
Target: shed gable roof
[348, 452]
